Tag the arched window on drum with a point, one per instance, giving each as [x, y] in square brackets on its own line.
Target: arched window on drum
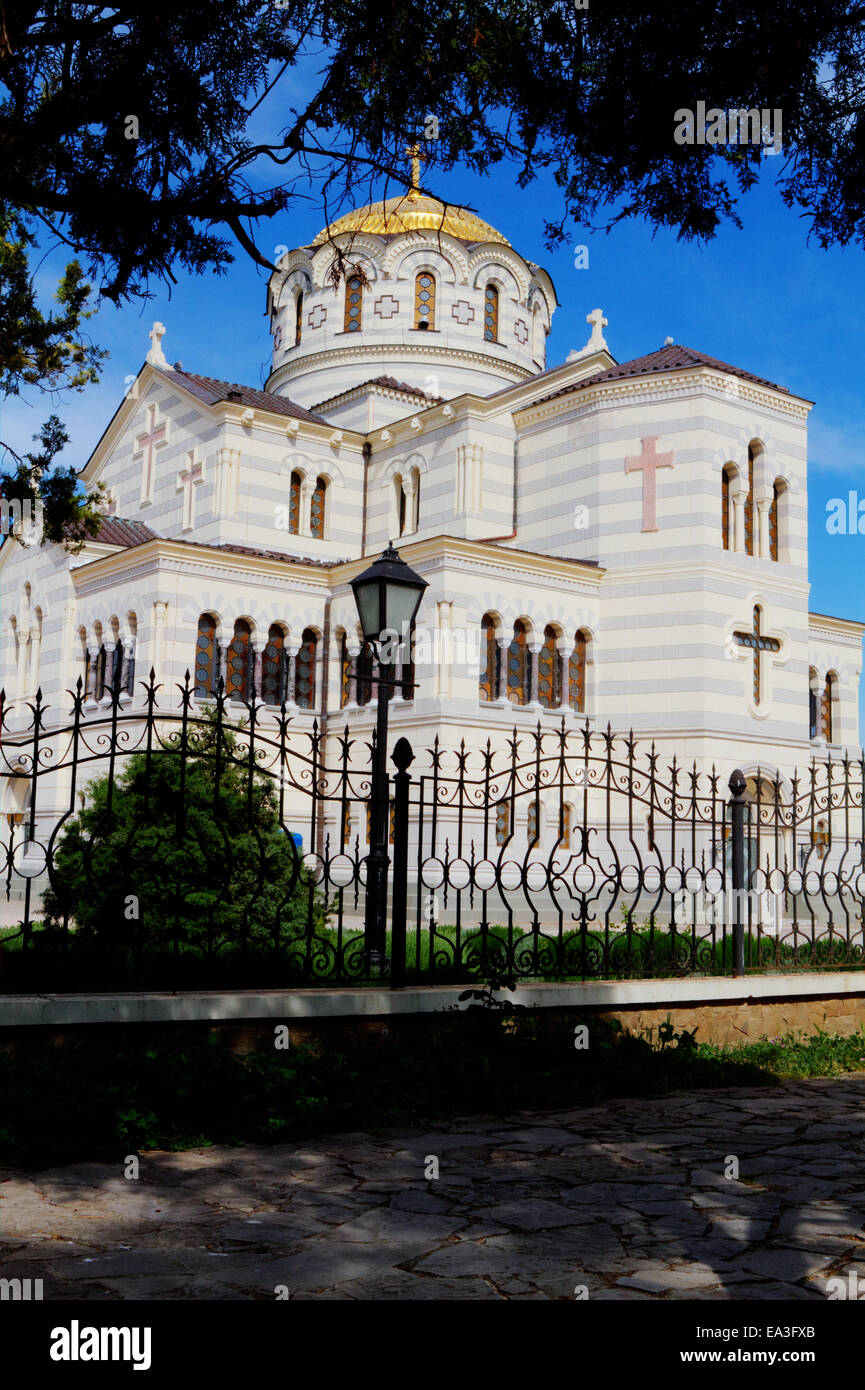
[353, 320]
[424, 301]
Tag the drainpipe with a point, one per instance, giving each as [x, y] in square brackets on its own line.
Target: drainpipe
[367, 455]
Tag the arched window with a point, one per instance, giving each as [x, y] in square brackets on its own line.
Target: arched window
[565, 814]
[813, 688]
[424, 301]
[491, 314]
[488, 680]
[749, 505]
[102, 686]
[239, 665]
[316, 515]
[518, 665]
[400, 504]
[727, 506]
[294, 505]
[533, 824]
[298, 317]
[550, 671]
[132, 627]
[578, 673]
[273, 667]
[206, 657]
[503, 822]
[305, 670]
[777, 489]
[830, 691]
[353, 304]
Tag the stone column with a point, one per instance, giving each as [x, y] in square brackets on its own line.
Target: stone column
[307, 488]
[35, 650]
[535, 648]
[68, 643]
[258, 646]
[127, 671]
[503, 645]
[110, 649]
[24, 635]
[160, 617]
[763, 501]
[739, 497]
[223, 663]
[291, 676]
[409, 487]
[90, 702]
[566, 651]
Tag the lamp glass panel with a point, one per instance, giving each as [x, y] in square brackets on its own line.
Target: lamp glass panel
[367, 607]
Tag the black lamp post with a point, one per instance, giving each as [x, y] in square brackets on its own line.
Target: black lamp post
[387, 595]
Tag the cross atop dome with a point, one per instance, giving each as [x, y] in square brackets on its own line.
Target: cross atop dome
[415, 154]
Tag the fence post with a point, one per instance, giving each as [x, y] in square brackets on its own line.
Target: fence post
[402, 756]
[737, 820]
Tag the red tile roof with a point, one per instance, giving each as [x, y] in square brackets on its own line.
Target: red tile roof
[666, 359]
[210, 390]
[115, 530]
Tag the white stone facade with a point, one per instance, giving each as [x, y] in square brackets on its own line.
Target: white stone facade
[520, 493]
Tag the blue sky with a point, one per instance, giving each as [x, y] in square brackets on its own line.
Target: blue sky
[761, 297]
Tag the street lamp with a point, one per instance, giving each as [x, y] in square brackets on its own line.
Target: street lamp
[387, 595]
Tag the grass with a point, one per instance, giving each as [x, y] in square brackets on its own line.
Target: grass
[97, 964]
[107, 1095]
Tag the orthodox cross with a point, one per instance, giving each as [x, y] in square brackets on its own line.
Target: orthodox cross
[188, 479]
[757, 643]
[415, 154]
[145, 445]
[647, 463]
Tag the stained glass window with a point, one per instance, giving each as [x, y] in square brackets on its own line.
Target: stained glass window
[564, 839]
[424, 301]
[828, 693]
[550, 671]
[578, 673]
[316, 516]
[726, 486]
[488, 679]
[369, 822]
[813, 729]
[305, 670]
[206, 656]
[491, 314]
[353, 304]
[749, 506]
[532, 827]
[518, 666]
[773, 523]
[503, 822]
[239, 671]
[273, 667]
[298, 318]
[294, 505]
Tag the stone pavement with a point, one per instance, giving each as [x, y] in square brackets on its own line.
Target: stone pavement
[628, 1199]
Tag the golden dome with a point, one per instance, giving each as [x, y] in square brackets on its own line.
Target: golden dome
[409, 213]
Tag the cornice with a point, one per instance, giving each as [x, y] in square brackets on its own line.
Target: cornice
[662, 386]
[439, 551]
[384, 352]
[173, 556]
[824, 625]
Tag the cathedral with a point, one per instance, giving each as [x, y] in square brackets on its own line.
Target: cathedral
[619, 543]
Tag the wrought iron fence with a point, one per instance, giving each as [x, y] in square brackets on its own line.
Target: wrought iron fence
[207, 844]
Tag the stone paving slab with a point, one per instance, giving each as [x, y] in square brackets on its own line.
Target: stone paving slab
[629, 1200]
